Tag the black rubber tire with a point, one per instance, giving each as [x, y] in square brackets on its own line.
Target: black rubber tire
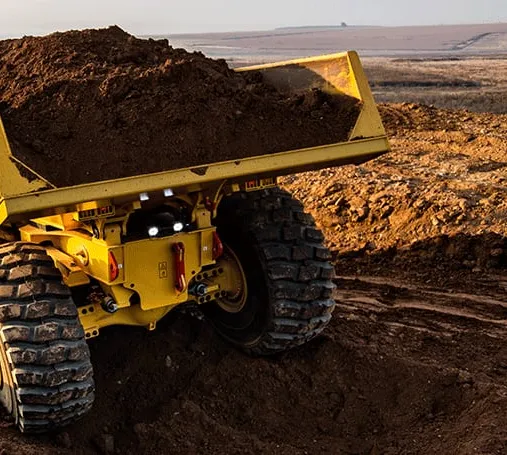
[47, 379]
[287, 268]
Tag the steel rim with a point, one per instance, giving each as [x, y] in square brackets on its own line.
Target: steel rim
[232, 281]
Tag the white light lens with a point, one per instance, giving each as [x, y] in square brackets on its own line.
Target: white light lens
[144, 197]
[153, 231]
[168, 192]
[178, 226]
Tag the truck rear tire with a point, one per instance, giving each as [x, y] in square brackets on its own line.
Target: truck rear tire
[288, 295]
[46, 373]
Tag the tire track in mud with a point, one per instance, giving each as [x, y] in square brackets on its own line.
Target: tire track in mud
[449, 327]
[404, 367]
[386, 294]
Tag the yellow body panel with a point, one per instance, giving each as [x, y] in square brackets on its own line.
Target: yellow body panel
[334, 73]
[93, 317]
[150, 268]
[74, 243]
[145, 266]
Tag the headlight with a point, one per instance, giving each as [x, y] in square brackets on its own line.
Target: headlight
[153, 231]
[178, 226]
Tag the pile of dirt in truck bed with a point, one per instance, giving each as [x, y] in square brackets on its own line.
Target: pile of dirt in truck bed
[91, 105]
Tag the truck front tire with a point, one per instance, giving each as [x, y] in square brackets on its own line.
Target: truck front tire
[288, 274]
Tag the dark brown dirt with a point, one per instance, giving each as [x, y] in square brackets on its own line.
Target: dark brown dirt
[404, 368]
[92, 105]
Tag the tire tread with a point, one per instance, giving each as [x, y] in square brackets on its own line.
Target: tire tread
[43, 339]
[299, 274]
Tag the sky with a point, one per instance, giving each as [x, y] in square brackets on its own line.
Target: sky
[33, 17]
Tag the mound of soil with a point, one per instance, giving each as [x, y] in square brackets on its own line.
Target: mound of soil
[385, 378]
[441, 192]
[92, 105]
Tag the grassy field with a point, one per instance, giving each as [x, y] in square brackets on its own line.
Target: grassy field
[449, 66]
[474, 83]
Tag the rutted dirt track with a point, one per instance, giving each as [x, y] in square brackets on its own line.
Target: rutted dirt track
[404, 368]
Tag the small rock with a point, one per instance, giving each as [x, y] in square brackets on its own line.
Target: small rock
[385, 211]
[168, 361]
[464, 377]
[139, 429]
[361, 213]
[38, 146]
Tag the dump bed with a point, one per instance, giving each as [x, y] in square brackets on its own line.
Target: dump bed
[24, 194]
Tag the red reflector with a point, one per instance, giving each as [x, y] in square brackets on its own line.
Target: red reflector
[114, 270]
[218, 246]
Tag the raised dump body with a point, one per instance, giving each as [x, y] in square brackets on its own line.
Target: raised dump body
[24, 194]
[218, 236]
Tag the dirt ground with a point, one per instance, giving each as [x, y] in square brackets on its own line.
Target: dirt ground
[415, 359]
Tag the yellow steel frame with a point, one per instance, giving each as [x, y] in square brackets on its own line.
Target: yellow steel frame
[146, 268]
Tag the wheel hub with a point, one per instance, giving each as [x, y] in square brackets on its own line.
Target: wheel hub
[232, 282]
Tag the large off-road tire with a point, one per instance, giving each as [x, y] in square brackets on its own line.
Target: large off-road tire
[46, 374]
[289, 284]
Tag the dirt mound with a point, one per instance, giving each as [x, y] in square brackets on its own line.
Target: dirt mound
[386, 378]
[406, 118]
[91, 105]
[446, 176]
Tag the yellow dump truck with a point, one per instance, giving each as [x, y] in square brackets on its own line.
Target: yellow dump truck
[128, 251]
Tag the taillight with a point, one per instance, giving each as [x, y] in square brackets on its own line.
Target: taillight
[218, 247]
[114, 270]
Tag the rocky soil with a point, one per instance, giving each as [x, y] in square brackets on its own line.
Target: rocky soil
[440, 197]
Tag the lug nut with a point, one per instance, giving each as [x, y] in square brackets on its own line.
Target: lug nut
[109, 305]
[200, 290]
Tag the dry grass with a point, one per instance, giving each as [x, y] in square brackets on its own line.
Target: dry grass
[476, 84]
[459, 66]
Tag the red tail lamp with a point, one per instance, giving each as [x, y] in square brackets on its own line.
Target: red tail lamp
[114, 270]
